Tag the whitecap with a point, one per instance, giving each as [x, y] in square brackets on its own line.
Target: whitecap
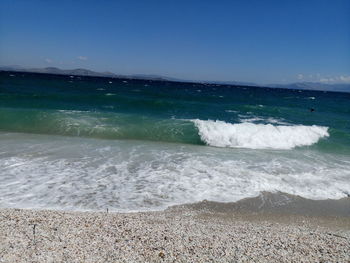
[258, 136]
[257, 119]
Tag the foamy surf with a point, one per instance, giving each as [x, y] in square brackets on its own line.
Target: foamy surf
[45, 171]
[258, 136]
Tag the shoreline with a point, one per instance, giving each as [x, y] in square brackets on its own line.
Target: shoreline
[201, 232]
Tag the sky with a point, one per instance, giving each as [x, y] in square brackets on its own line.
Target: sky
[263, 42]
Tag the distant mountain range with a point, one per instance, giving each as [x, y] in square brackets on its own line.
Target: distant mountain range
[314, 86]
[79, 72]
[87, 72]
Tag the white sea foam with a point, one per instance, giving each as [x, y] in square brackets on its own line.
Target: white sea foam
[257, 119]
[250, 119]
[258, 136]
[40, 171]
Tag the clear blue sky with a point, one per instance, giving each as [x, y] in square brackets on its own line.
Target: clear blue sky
[256, 41]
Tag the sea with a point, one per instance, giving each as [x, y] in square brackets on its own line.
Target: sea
[92, 143]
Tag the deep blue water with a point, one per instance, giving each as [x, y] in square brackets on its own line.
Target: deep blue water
[72, 142]
[159, 110]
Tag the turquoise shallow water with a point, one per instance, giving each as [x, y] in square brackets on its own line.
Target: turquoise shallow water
[148, 144]
[162, 111]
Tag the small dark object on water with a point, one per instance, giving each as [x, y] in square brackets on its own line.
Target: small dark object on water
[312, 109]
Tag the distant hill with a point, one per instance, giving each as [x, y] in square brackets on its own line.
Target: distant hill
[79, 72]
[298, 85]
[234, 83]
[87, 72]
[314, 86]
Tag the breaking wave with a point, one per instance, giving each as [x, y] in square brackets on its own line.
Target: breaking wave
[119, 126]
[258, 136]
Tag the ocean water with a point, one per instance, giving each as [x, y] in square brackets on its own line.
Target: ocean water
[84, 143]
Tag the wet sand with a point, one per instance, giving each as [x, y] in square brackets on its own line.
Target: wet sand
[269, 228]
[280, 208]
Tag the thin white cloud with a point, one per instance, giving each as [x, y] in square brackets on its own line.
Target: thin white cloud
[82, 58]
[325, 80]
[345, 78]
[47, 60]
[336, 79]
[328, 79]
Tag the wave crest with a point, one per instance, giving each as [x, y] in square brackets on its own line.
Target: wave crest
[258, 136]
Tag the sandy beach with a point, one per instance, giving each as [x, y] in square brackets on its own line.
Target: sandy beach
[252, 230]
[174, 131]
